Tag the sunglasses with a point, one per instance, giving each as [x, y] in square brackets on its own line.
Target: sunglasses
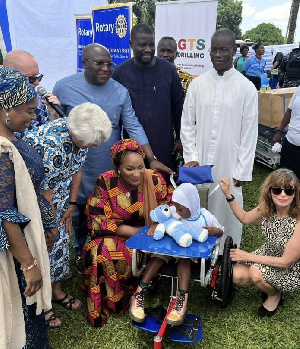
[32, 79]
[278, 191]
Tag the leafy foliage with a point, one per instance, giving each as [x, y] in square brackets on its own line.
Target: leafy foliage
[266, 33]
[230, 16]
[145, 12]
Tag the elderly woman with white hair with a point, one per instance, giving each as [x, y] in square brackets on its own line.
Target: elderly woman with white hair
[63, 144]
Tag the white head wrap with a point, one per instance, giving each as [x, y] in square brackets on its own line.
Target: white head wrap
[187, 195]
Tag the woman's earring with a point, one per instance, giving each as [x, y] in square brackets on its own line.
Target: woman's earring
[7, 120]
[119, 172]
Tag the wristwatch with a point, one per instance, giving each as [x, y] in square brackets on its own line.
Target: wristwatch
[231, 199]
[152, 158]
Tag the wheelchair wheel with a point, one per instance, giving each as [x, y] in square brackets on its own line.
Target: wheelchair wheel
[226, 282]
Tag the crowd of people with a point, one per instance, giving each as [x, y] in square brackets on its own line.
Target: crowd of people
[59, 173]
[284, 72]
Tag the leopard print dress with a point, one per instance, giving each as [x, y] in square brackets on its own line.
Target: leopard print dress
[277, 232]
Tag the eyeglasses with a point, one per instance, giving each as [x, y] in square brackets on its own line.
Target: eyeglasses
[221, 50]
[278, 191]
[32, 79]
[109, 65]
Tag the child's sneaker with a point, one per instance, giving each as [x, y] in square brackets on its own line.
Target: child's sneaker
[179, 311]
[137, 305]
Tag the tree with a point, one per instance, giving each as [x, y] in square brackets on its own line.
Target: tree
[230, 16]
[266, 33]
[292, 21]
[145, 12]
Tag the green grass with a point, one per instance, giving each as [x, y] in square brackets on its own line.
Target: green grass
[237, 326]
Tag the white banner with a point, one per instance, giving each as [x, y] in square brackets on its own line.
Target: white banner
[191, 24]
[47, 30]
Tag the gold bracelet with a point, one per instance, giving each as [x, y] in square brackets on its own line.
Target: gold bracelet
[30, 267]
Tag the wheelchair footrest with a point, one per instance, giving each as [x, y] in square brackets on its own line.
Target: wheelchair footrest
[190, 331]
[154, 318]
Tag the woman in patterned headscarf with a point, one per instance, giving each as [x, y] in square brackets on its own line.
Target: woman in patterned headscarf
[24, 262]
[117, 209]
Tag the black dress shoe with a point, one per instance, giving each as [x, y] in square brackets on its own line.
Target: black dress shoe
[263, 312]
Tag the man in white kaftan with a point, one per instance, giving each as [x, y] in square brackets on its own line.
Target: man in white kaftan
[219, 127]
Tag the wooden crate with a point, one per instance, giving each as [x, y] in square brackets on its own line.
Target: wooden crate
[272, 104]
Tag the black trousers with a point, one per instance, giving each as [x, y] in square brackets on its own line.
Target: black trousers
[256, 81]
[290, 157]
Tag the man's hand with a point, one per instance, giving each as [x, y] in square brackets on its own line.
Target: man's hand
[238, 183]
[191, 164]
[156, 165]
[177, 147]
[53, 99]
[67, 218]
[277, 138]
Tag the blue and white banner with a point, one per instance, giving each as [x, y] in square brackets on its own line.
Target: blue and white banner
[111, 28]
[5, 41]
[84, 35]
[191, 24]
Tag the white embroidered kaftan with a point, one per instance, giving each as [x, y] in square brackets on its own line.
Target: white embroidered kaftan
[219, 127]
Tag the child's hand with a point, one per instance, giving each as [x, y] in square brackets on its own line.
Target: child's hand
[214, 231]
[152, 228]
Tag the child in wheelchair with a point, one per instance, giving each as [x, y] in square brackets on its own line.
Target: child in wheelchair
[187, 203]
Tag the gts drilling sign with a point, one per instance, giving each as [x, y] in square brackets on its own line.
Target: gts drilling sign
[191, 48]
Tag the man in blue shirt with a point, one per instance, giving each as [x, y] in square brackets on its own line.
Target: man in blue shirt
[96, 85]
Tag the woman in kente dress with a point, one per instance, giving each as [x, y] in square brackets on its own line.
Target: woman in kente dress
[117, 209]
[274, 268]
[25, 285]
[62, 145]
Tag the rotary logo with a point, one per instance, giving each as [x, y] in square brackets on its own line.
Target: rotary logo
[121, 26]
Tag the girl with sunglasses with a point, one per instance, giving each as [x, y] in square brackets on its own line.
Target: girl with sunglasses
[274, 268]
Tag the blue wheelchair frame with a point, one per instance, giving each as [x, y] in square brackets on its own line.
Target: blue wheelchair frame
[211, 276]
